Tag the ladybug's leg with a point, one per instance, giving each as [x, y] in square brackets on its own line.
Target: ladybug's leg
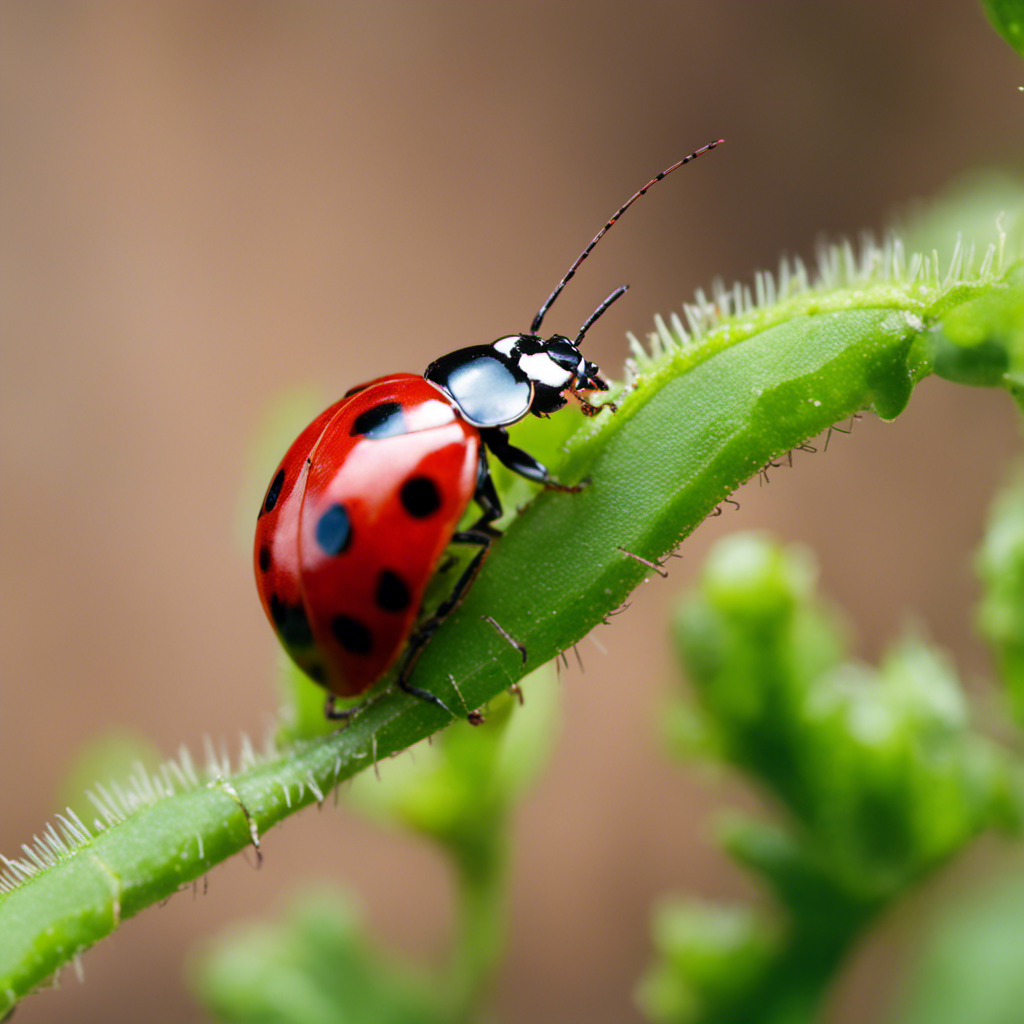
[523, 463]
[482, 535]
[335, 714]
[485, 495]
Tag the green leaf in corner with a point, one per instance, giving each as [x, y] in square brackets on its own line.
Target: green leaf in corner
[1007, 17]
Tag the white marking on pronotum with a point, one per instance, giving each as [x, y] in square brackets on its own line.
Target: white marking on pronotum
[540, 367]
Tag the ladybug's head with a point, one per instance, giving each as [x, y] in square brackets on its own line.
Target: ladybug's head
[553, 366]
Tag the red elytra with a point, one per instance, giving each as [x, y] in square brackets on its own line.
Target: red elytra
[342, 562]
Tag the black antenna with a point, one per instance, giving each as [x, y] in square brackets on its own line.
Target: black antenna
[541, 313]
[617, 294]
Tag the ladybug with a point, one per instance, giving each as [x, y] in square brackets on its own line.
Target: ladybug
[370, 495]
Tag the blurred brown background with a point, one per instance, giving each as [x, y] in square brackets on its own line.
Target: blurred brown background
[206, 206]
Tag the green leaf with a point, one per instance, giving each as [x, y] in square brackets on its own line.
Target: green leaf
[1007, 17]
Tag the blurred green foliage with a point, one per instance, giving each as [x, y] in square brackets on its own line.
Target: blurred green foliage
[1001, 613]
[972, 968]
[459, 793]
[877, 774]
[315, 966]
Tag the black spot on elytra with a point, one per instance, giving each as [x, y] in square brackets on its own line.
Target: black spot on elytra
[317, 673]
[291, 622]
[334, 530]
[352, 634]
[392, 593]
[274, 492]
[384, 420]
[355, 390]
[264, 558]
[420, 497]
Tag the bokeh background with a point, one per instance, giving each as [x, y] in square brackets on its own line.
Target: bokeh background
[213, 212]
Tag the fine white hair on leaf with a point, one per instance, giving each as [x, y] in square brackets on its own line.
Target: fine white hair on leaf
[839, 266]
[678, 329]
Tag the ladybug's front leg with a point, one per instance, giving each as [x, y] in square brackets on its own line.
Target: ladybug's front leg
[524, 463]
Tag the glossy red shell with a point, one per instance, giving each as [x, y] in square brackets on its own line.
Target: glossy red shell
[342, 589]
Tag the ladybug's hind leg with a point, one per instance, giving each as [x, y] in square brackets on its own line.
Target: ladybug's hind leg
[481, 534]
